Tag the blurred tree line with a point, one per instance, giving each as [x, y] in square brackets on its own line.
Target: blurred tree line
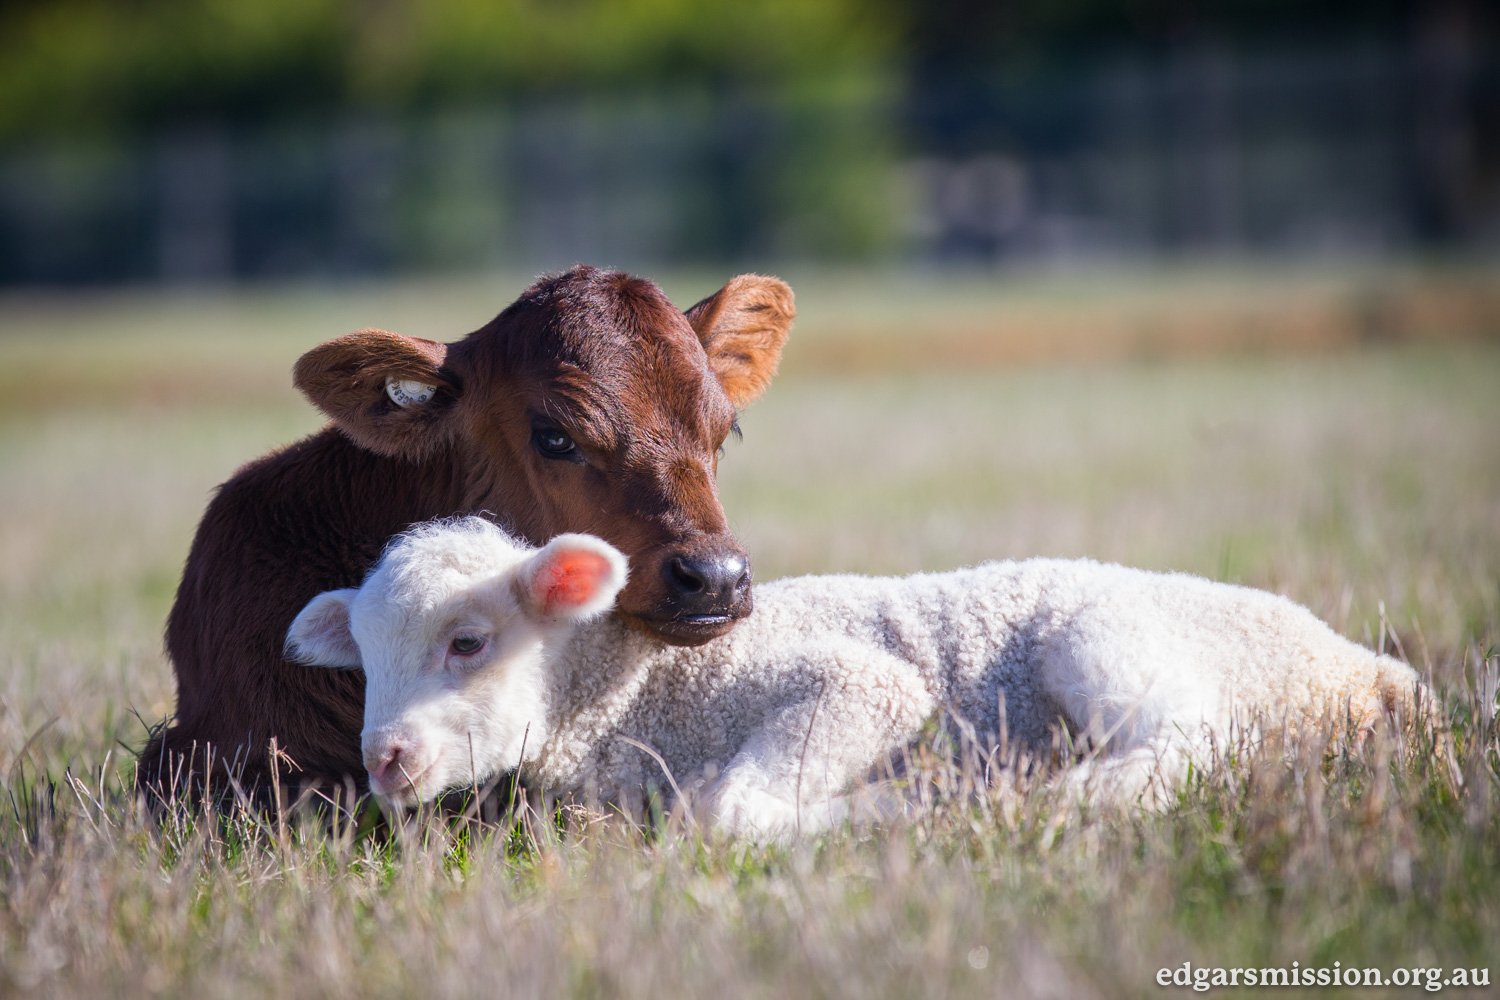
[111, 66]
[224, 137]
[129, 65]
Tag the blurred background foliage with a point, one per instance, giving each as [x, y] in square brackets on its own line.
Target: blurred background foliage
[208, 140]
[113, 67]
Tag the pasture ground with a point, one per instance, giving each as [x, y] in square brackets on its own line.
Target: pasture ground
[1335, 437]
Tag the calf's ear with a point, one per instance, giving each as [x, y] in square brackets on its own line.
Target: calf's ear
[391, 394]
[743, 327]
[320, 636]
[571, 578]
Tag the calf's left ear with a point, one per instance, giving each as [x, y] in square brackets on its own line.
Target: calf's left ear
[743, 327]
[571, 578]
[320, 636]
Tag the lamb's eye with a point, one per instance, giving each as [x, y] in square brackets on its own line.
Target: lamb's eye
[552, 443]
[467, 645]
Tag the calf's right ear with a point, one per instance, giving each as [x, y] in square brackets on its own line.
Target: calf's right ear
[391, 394]
[320, 636]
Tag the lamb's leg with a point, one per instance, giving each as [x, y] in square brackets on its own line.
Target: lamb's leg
[792, 774]
[1141, 697]
[1145, 776]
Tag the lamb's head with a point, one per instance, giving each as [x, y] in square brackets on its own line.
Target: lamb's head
[453, 628]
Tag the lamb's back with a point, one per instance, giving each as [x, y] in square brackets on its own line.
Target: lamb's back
[970, 635]
[974, 638]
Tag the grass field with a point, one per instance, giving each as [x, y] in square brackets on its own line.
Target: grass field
[1334, 437]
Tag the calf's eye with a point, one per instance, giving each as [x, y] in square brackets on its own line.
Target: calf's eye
[552, 442]
[734, 432]
[467, 645]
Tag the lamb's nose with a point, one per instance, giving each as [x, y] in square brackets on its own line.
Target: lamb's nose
[387, 765]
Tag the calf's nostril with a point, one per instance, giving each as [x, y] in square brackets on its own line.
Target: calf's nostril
[742, 582]
[687, 575]
[737, 569]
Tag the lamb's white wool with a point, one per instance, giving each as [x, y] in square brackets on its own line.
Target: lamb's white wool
[828, 679]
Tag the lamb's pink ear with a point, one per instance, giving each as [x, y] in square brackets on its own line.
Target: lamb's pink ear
[320, 636]
[571, 578]
[391, 394]
[743, 327]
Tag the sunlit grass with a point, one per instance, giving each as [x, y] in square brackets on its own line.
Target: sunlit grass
[1362, 482]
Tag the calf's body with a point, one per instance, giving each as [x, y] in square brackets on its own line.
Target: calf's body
[590, 404]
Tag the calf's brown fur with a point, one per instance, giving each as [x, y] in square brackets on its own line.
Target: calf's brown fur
[591, 404]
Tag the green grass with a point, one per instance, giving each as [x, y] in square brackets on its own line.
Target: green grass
[1362, 481]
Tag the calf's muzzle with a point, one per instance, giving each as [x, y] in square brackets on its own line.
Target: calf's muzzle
[701, 592]
[708, 585]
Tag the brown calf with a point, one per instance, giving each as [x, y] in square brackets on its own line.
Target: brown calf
[591, 404]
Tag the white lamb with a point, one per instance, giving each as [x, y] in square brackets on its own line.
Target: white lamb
[482, 655]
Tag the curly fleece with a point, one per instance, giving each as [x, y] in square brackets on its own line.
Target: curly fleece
[833, 676]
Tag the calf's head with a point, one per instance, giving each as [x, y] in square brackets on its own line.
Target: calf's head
[453, 628]
[591, 404]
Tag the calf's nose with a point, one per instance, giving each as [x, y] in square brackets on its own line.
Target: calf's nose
[708, 583]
